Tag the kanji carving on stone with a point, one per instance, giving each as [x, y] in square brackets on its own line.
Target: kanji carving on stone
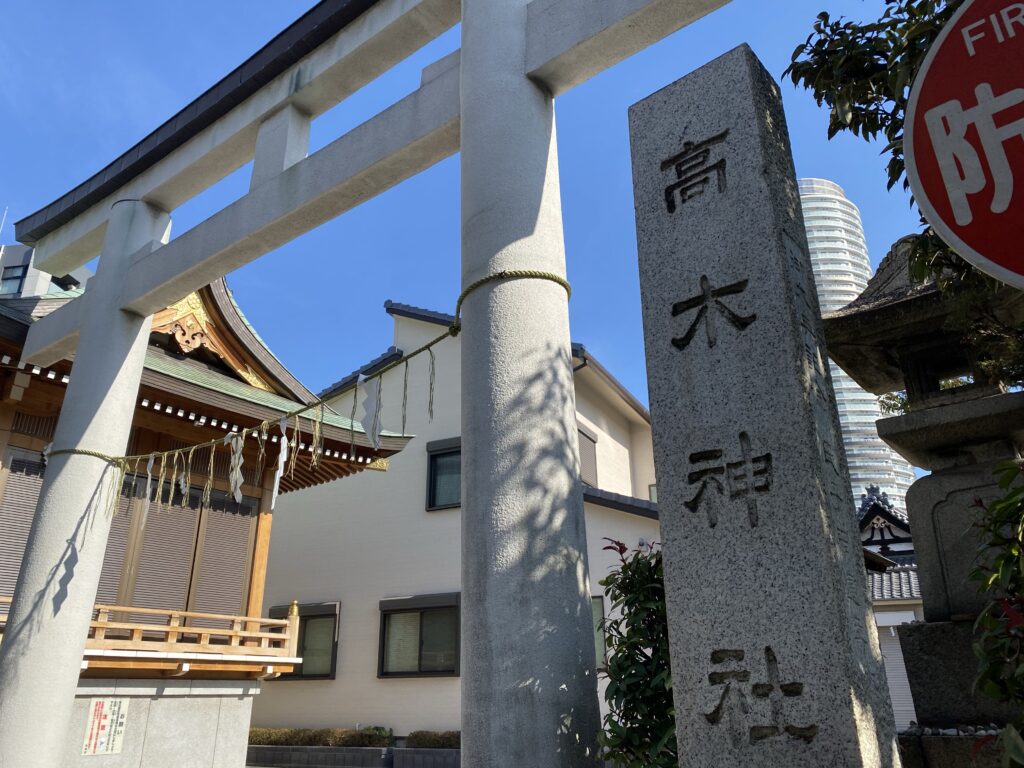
[693, 172]
[709, 299]
[735, 705]
[744, 479]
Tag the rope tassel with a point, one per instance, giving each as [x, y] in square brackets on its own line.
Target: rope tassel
[288, 454]
[282, 458]
[317, 440]
[235, 477]
[149, 491]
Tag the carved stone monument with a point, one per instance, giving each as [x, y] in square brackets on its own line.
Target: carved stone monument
[775, 661]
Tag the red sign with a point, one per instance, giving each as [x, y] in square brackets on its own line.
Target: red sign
[964, 138]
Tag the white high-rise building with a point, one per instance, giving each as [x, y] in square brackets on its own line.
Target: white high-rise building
[839, 256]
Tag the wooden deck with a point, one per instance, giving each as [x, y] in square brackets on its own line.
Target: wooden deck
[125, 641]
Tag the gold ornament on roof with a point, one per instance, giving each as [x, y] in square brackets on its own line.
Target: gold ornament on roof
[189, 323]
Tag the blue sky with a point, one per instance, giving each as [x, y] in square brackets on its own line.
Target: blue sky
[82, 81]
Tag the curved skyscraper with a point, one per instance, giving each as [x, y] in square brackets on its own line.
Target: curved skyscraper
[839, 256]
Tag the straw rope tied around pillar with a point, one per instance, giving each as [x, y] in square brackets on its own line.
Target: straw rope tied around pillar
[288, 452]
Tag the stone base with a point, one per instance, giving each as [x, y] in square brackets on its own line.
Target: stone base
[325, 757]
[941, 668]
[919, 751]
[945, 539]
[169, 724]
[353, 757]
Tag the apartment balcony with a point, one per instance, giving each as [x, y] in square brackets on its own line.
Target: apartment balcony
[126, 641]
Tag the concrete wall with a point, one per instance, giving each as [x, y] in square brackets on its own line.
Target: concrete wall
[369, 538]
[170, 723]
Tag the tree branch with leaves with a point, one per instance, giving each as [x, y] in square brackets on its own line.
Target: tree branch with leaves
[863, 73]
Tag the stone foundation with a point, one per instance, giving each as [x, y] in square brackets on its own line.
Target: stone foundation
[169, 723]
[919, 751]
[941, 669]
[353, 757]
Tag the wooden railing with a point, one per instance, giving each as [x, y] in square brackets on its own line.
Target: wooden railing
[183, 642]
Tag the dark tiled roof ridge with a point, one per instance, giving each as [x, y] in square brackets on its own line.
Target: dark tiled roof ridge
[621, 502]
[391, 355]
[418, 313]
[579, 350]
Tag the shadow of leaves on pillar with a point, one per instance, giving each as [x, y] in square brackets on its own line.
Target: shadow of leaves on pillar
[535, 648]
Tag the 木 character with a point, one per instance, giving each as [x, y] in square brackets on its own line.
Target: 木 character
[708, 299]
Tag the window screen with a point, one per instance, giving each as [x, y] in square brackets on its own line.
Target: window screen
[316, 645]
[420, 641]
[445, 480]
[600, 644]
[318, 640]
[588, 459]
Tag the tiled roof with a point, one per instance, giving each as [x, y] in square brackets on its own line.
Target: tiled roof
[393, 354]
[579, 351]
[418, 313]
[14, 314]
[617, 501]
[202, 375]
[898, 583]
[876, 501]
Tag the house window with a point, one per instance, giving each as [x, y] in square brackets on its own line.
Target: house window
[318, 640]
[444, 474]
[588, 456]
[600, 643]
[419, 637]
[652, 492]
[13, 279]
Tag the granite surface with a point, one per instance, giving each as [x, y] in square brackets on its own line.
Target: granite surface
[775, 661]
[946, 538]
[941, 670]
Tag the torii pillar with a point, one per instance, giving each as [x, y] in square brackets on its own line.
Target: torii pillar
[46, 630]
[529, 694]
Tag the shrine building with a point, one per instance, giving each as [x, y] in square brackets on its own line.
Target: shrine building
[178, 612]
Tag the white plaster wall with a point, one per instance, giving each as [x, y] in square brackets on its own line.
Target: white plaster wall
[641, 456]
[367, 538]
[613, 442]
[361, 540]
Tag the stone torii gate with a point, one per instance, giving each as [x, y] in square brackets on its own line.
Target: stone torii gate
[529, 693]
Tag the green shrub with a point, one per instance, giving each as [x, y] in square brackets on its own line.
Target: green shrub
[999, 630]
[640, 727]
[434, 740]
[321, 737]
[374, 736]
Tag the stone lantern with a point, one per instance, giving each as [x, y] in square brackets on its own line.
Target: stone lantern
[958, 425]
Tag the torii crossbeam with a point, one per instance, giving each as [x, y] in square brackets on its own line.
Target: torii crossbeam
[529, 691]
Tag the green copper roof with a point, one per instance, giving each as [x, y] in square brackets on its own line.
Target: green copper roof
[204, 376]
[70, 293]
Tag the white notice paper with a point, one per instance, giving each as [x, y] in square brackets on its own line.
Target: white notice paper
[104, 730]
